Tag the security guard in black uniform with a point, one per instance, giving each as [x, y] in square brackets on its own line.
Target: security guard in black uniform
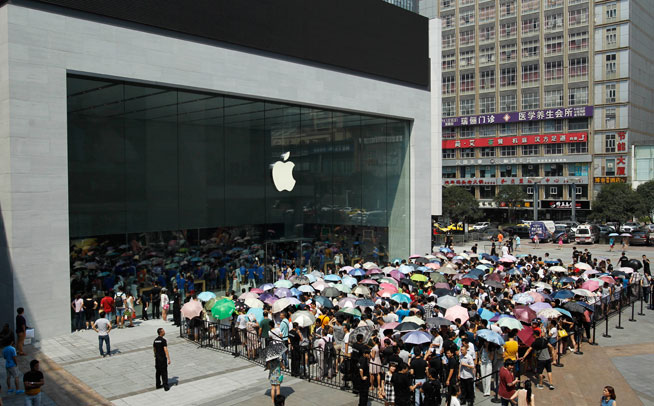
[161, 359]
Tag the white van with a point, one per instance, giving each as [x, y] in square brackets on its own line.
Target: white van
[586, 233]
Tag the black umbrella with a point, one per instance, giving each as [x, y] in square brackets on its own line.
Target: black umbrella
[443, 292]
[407, 326]
[438, 321]
[366, 331]
[494, 284]
[574, 307]
[421, 260]
[634, 264]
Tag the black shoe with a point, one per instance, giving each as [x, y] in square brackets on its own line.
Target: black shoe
[159, 386]
[166, 388]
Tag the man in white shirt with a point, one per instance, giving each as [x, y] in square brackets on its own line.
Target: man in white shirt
[467, 376]
[102, 326]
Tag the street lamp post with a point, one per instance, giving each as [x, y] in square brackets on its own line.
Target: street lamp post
[573, 198]
[536, 182]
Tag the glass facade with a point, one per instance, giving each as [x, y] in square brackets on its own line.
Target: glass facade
[148, 164]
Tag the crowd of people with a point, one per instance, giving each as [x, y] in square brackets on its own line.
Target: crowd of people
[426, 329]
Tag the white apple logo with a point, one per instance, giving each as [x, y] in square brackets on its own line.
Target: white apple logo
[282, 174]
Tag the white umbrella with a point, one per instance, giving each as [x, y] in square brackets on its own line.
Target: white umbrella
[361, 290]
[306, 289]
[626, 269]
[543, 285]
[280, 305]
[255, 303]
[558, 269]
[549, 313]
[447, 301]
[582, 292]
[303, 318]
[369, 265]
[584, 266]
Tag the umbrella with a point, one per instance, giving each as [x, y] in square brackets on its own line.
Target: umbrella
[508, 258]
[355, 272]
[446, 302]
[386, 293]
[563, 294]
[351, 311]
[510, 323]
[526, 335]
[563, 312]
[283, 283]
[549, 313]
[635, 264]
[397, 275]
[303, 318]
[365, 331]
[258, 313]
[192, 308]
[343, 288]
[583, 266]
[465, 299]
[254, 303]
[401, 298]
[495, 284]
[558, 269]
[267, 286]
[283, 292]
[626, 269]
[490, 336]
[324, 301]
[256, 290]
[347, 302]
[625, 235]
[590, 285]
[275, 350]
[418, 278]
[347, 268]
[364, 303]
[223, 309]
[447, 270]
[208, 305]
[574, 307]
[614, 235]
[524, 314]
[438, 321]
[538, 306]
[389, 326]
[408, 326]
[370, 265]
[374, 271]
[417, 337]
[567, 279]
[280, 305]
[486, 314]
[413, 319]
[319, 285]
[543, 285]
[332, 278]
[437, 277]
[388, 286]
[537, 296]
[457, 312]
[361, 290]
[433, 265]
[523, 298]
[331, 292]
[306, 289]
[206, 296]
[582, 292]
[368, 282]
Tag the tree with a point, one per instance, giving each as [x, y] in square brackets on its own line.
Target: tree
[617, 202]
[511, 195]
[646, 192]
[459, 204]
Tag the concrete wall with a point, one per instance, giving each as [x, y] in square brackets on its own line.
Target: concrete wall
[40, 47]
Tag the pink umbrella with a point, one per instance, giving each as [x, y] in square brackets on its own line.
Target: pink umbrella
[608, 279]
[373, 271]
[368, 282]
[386, 293]
[537, 296]
[319, 285]
[591, 272]
[457, 312]
[347, 268]
[433, 265]
[256, 290]
[389, 326]
[191, 309]
[415, 256]
[538, 306]
[271, 300]
[397, 275]
[508, 258]
[247, 295]
[442, 285]
[524, 314]
[590, 285]
[388, 287]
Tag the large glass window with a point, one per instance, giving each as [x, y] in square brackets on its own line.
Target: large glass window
[151, 164]
[553, 170]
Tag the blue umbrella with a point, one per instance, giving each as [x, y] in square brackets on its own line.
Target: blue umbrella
[258, 313]
[564, 312]
[417, 337]
[333, 278]
[356, 272]
[486, 314]
[267, 286]
[566, 279]
[551, 261]
[206, 296]
[476, 272]
[324, 301]
[364, 303]
[490, 336]
[563, 294]
[296, 292]
[445, 250]
[400, 298]
[397, 261]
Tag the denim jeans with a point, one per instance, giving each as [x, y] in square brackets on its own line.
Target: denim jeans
[106, 340]
[33, 400]
[419, 396]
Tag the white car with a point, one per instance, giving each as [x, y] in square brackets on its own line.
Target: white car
[629, 227]
[481, 226]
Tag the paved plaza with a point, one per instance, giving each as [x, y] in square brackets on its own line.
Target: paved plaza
[77, 375]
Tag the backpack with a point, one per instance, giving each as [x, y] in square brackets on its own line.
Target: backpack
[118, 300]
[330, 351]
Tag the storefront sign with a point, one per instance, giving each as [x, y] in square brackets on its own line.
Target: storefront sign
[552, 180]
[609, 179]
[516, 140]
[556, 159]
[519, 116]
[564, 204]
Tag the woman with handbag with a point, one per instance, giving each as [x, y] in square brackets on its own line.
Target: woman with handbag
[276, 377]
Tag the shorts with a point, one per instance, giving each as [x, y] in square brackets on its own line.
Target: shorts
[120, 311]
[12, 372]
[544, 365]
[166, 307]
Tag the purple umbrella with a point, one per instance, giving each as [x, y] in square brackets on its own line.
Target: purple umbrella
[265, 296]
[271, 300]
[283, 292]
[397, 275]
[538, 306]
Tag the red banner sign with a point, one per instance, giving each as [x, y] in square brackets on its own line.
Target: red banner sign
[516, 140]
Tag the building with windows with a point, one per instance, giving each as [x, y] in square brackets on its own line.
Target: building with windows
[551, 95]
[267, 137]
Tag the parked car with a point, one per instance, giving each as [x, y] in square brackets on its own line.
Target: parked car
[572, 224]
[542, 229]
[639, 237]
[562, 231]
[481, 226]
[587, 233]
[605, 230]
[629, 227]
[521, 231]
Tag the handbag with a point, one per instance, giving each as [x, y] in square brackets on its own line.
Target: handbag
[281, 376]
[563, 333]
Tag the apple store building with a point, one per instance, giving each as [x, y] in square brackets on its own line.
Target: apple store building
[208, 138]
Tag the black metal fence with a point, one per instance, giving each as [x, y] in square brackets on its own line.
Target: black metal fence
[312, 363]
